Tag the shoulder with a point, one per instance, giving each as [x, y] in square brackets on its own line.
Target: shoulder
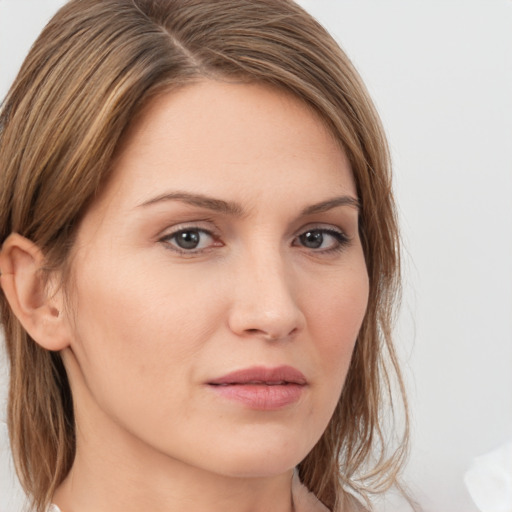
[351, 504]
[306, 501]
[303, 499]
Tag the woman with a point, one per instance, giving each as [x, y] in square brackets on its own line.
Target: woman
[199, 260]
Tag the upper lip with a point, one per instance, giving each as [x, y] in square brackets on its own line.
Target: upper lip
[263, 375]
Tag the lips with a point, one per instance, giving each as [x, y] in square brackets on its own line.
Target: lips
[261, 388]
[281, 375]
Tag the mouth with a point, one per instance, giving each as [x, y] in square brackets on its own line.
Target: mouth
[256, 383]
[261, 388]
[260, 375]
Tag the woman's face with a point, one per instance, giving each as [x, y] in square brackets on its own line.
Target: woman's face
[219, 284]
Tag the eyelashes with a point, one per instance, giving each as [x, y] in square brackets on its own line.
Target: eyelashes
[193, 240]
[322, 239]
[190, 240]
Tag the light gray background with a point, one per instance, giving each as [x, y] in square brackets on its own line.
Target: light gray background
[441, 75]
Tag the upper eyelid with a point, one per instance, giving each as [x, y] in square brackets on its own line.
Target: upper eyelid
[331, 232]
[322, 227]
[181, 230]
[189, 225]
[213, 230]
[212, 227]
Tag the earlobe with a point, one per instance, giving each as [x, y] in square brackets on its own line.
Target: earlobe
[38, 308]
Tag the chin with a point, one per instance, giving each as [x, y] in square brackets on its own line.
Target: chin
[261, 460]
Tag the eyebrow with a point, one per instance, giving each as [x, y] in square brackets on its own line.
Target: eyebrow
[200, 200]
[325, 206]
[236, 210]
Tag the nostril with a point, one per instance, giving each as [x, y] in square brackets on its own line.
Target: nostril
[269, 334]
[272, 322]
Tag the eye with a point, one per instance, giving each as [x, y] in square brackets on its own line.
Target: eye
[322, 240]
[189, 240]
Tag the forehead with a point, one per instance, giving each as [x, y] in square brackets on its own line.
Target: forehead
[219, 138]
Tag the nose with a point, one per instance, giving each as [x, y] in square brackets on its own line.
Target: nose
[265, 300]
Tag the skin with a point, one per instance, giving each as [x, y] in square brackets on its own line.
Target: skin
[148, 324]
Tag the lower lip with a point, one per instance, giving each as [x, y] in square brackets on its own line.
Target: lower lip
[260, 396]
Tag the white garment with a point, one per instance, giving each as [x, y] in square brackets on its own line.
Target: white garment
[489, 480]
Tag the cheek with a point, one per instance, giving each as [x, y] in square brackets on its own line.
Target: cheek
[131, 300]
[336, 310]
[335, 314]
[139, 330]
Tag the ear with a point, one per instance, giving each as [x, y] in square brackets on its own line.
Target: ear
[38, 306]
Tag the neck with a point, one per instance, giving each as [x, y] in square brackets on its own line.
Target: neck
[117, 472]
[171, 492]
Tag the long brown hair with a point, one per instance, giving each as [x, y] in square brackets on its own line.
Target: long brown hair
[91, 71]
